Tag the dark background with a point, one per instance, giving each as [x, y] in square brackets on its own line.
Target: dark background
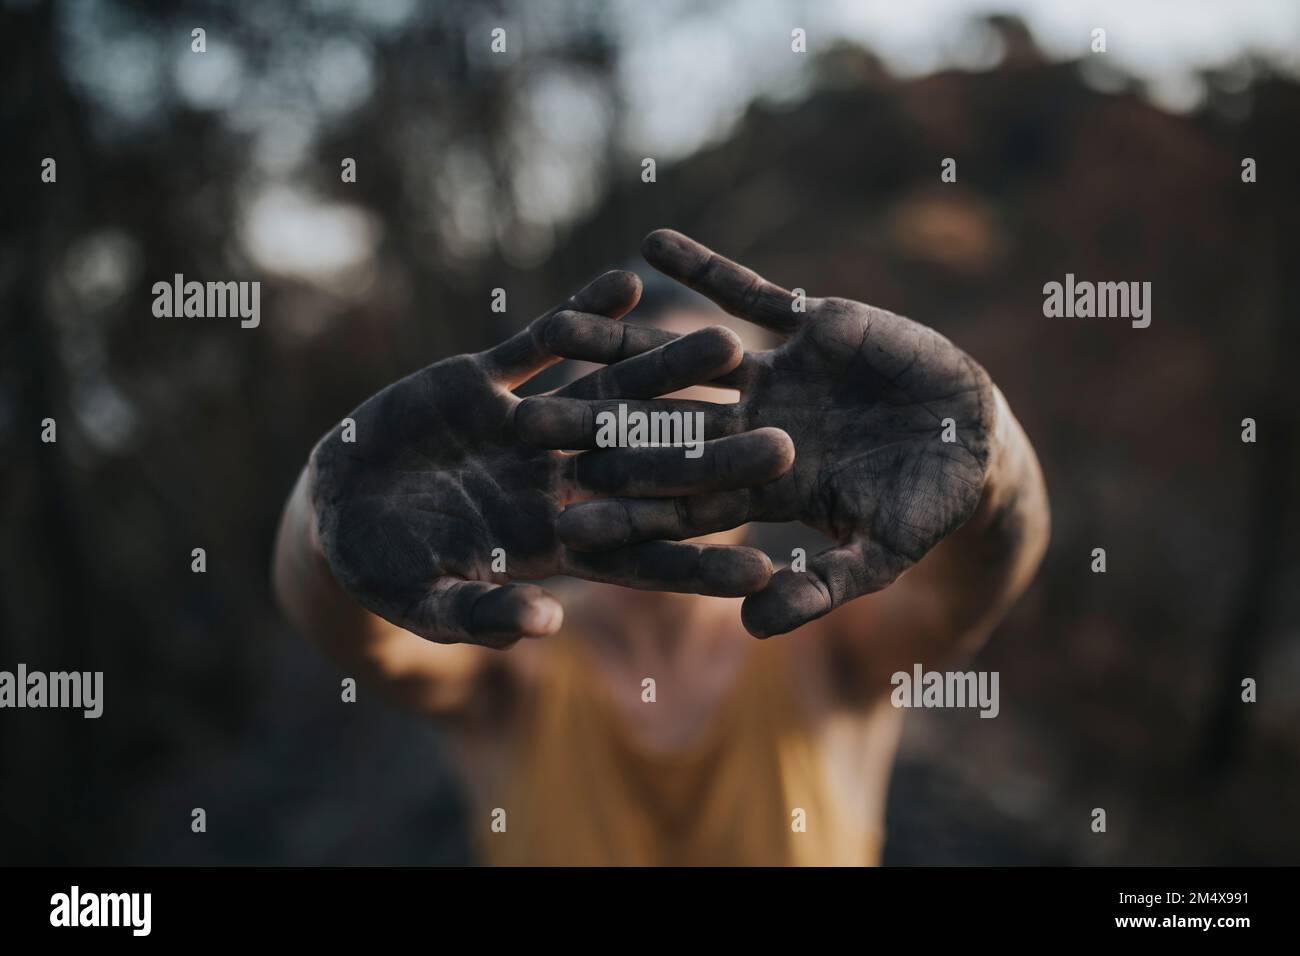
[1119, 690]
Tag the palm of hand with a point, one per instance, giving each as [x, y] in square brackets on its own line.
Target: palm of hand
[867, 398]
[400, 511]
[891, 425]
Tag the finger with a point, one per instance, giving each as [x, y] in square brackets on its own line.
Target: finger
[718, 570]
[736, 289]
[610, 523]
[524, 354]
[679, 363]
[723, 464]
[834, 577]
[594, 338]
[549, 422]
[479, 612]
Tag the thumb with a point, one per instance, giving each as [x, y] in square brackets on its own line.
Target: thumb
[833, 578]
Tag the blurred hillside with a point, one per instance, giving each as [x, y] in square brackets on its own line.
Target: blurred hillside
[1119, 690]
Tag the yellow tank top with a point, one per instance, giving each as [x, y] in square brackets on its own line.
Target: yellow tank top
[583, 790]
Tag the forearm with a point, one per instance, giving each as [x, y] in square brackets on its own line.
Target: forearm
[946, 606]
[403, 668]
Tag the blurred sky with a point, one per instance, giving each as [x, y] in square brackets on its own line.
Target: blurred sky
[716, 70]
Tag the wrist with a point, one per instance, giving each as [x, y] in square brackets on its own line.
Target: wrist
[1007, 444]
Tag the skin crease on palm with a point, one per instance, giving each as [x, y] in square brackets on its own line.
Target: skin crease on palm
[839, 427]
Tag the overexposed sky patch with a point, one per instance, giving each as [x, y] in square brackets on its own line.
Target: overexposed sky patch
[689, 71]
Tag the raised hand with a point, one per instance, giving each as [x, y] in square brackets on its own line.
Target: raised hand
[867, 397]
[435, 490]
